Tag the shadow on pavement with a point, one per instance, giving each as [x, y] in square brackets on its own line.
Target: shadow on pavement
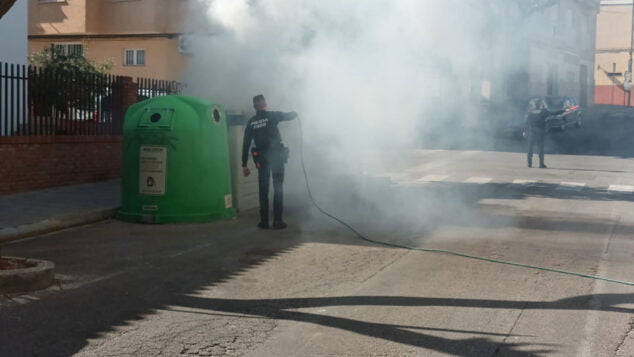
[113, 274]
[286, 309]
[544, 190]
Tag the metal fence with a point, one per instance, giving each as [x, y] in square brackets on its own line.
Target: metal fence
[150, 88]
[37, 101]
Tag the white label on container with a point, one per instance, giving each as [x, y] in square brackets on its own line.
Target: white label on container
[152, 167]
[228, 201]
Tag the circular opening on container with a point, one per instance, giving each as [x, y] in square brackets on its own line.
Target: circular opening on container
[155, 117]
[216, 115]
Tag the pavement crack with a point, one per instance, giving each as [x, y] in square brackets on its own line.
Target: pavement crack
[384, 267]
[616, 224]
[508, 334]
[628, 332]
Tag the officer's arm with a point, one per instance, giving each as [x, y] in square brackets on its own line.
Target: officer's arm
[246, 144]
[285, 116]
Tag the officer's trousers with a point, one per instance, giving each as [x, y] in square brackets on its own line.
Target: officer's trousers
[536, 137]
[272, 165]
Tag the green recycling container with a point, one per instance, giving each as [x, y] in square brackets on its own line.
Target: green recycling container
[175, 162]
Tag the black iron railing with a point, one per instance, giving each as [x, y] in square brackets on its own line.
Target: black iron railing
[150, 88]
[37, 101]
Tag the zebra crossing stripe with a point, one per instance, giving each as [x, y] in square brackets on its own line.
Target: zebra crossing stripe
[478, 180]
[432, 178]
[621, 188]
[523, 182]
[571, 185]
[564, 185]
[21, 300]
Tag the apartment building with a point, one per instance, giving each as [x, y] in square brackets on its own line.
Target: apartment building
[561, 50]
[534, 49]
[614, 53]
[140, 38]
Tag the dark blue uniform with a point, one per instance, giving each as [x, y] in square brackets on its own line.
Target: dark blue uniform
[536, 131]
[263, 130]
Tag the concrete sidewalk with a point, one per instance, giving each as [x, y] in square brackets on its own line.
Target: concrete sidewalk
[37, 212]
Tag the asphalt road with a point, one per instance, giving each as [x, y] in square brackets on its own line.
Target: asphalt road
[315, 289]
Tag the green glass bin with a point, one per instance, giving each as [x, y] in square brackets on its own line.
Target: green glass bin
[175, 162]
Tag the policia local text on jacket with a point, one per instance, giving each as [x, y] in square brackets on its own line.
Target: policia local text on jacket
[269, 155]
[536, 130]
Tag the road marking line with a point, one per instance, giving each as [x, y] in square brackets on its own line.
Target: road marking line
[478, 180]
[432, 178]
[523, 182]
[79, 283]
[20, 300]
[571, 186]
[621, 188]
[33, 298]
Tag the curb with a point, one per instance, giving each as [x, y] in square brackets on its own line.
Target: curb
[54, 224]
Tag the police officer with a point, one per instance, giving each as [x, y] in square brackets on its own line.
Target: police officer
[269, 155]
[536, 128]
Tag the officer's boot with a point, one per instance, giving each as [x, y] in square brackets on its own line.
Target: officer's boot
[541, 162]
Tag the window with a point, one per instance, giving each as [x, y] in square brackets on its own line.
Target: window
[69, 49]
[134, 58]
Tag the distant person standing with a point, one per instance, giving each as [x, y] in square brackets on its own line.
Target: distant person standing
[269, 156]
[536, 128]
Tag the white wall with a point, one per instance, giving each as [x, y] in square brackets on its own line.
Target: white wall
[13, 50]
[14, 34]
[245, 189]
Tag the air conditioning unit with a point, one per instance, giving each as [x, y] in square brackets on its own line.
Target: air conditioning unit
[185, 44]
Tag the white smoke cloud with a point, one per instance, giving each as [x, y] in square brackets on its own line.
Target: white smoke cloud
[359, 72]
[365, 76]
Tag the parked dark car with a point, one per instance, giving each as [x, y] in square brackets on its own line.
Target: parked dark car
[515, 126]
[571, 116]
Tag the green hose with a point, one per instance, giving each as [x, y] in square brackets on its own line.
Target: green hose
[392, 245]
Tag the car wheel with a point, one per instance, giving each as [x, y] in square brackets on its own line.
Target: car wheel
[578, 124]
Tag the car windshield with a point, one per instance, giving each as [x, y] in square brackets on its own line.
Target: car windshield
[555, 103]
